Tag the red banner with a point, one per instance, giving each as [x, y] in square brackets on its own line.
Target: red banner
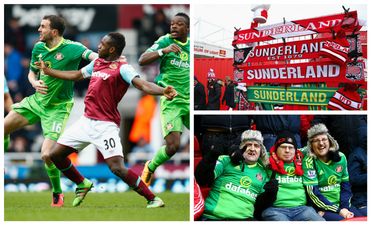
[290, 50]
[289, 29]
[314, 72]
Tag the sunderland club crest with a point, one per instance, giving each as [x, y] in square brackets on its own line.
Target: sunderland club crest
[59, 56]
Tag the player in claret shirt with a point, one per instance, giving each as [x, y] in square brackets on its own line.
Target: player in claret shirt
[173, 52]
[110, 77]
[326, 176]
[52, 103]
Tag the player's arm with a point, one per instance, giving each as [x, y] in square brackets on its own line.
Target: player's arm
[65, 75]
[150, 56]
[8, 102]
[153, 89]
[39, 85]
[93, 56]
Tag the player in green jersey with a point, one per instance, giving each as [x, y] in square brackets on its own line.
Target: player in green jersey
[238, 182]
[173, 52]
[326, 176]
[53, 100]
[286, 165]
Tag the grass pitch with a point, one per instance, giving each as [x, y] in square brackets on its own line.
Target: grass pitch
[127, 206]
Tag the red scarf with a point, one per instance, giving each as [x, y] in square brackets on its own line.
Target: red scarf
[278, 165]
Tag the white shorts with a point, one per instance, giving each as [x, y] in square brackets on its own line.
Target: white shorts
[103, 135]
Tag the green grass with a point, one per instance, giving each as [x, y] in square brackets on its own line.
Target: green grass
[127, 206]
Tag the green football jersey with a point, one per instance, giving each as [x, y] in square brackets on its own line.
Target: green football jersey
[328, 176]
[233, 193]
[291, 192]
[65, 56]
[174, 68]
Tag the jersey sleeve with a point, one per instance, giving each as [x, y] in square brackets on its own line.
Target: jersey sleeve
[310, 173]
[81, 50]
[78, 50]
[310, 181]
[85, 55]
[345, 176]
[159, 44]
[128, 73]
[220, 165]
[87, 70]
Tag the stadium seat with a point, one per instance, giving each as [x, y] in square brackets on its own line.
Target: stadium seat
[362, 218]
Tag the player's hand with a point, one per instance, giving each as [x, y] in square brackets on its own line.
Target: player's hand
[170, 92]
[236, 154]
[172, 48]
[41, 65]
[215, 149]
[40, 86]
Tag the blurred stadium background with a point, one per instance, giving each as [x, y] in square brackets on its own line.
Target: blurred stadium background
[140, 126]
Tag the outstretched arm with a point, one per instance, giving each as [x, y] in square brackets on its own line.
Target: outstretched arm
[150, 88]
[149, 57]
[65, 75]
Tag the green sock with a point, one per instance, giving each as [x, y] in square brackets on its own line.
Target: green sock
[85, 183]
[159, 159]
[55, 177]
[6, 142]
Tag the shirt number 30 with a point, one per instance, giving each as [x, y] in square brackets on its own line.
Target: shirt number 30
[109, 144]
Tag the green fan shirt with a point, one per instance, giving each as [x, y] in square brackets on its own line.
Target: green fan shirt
[328, 176]
[291, 192]
[233, 193]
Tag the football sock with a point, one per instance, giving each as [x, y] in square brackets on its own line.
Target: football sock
[85, 183]
[55, 177]
[134, 181]
[6, 142]
[69, 170]
[160, 157]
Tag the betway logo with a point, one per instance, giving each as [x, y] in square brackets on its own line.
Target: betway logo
[104, 76]
[179, 63]
[81, 17]
[240, 189]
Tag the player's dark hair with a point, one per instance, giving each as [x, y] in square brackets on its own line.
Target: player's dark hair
[185, 16]
[118, 41]
[56, 22]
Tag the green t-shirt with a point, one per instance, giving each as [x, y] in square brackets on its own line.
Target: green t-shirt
[233, 193]
[65, 56]
[328, 176]
[291, 192]
[174, 68]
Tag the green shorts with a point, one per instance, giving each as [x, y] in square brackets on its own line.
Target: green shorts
[53, 117]
[174, 114]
